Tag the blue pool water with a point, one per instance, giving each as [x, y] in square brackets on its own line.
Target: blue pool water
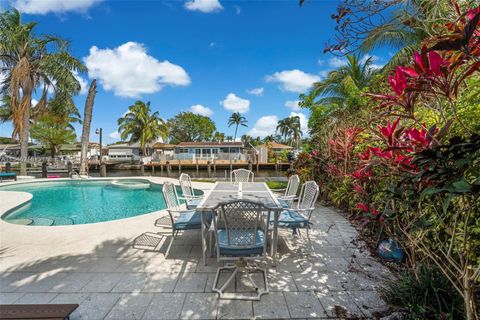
[80, 202]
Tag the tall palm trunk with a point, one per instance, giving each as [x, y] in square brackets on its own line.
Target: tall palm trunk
[87, 121]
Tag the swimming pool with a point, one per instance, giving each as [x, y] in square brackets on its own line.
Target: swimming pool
[81, 201]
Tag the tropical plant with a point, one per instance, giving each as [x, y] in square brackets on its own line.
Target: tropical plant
[237, 119]
[188, 126]
[140, 125]
[30, 62]
[52, 134]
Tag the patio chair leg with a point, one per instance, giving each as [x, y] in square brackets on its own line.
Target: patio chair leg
[236, 269]
[170, 244]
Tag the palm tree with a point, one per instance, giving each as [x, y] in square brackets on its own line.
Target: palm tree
[238, 120]
[140, 125]
[283, 127]
[87, 121]
[295, 130]
[219, 137]
[28, 63]
[343, 83]
[51, 134]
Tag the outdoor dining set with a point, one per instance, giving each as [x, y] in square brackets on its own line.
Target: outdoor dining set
[237, 219]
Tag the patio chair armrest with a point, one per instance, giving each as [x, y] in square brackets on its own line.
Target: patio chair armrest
[287, 197]
[180, 211]
[278, 190]
[189, 198]
[301, 210]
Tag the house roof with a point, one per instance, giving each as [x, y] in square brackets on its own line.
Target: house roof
[161, 145]
[210, 144]
[276, 145]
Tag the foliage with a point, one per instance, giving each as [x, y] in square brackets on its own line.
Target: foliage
[426, 294]
[187, 126]
[404, 158]
[140, 125]
[31, 63]
[51, 134]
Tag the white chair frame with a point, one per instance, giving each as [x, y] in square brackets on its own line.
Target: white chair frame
[187, 189]
[241, 175]
[291, 191]
[238, 216]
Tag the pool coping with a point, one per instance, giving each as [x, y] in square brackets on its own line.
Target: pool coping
[20, 198]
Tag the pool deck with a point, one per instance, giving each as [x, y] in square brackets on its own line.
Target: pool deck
[100, 267]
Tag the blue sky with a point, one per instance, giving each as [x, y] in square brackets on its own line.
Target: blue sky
[211, 57]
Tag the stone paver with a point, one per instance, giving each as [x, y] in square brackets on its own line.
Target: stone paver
[165, 306]
[95, 306]
[303, 305]
[325, 275]
[200, 306]
[130, 306]
[271, 306]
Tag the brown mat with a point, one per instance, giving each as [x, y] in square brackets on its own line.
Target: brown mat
[36, 311]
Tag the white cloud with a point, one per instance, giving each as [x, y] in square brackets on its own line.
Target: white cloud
[337, 62]
[238, 10]
[293, 80]
[205, 6]
[55, 6]
[320, 62]
[201, 110]
[34, 102]
[83, 83]
[129, 71]
[292, 104]
[114, 135]
[303, 121]
[235, 104]
[256, 91]
[264, 126]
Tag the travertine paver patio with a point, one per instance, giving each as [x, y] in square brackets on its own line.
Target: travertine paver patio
[327, 276]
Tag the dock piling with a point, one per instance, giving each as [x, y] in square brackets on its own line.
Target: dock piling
[44, 169]
[142, 168]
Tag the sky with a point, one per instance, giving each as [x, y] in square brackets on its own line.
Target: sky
[211, 57]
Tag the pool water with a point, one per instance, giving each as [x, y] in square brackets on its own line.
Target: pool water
[81, 202]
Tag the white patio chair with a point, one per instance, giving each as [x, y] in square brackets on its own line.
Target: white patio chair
[290, 192]
[241, 175]
[181, 219]
[188, 194]
[299, 216]
[240, 237]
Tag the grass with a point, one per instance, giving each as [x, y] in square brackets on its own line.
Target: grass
[277, 184]
[203, 180]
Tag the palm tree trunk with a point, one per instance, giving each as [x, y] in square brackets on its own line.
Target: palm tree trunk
[87, 121]
[27, 100]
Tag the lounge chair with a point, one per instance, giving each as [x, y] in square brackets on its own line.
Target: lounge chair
[8, 176]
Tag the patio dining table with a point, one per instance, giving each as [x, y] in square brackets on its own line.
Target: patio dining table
[223, 192]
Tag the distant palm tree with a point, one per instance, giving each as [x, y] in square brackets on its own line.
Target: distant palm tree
[30, 62]
[269, 138]
[238, 120]
[283, 127]
[219, 137]
[140, 125]
[51, 134]
[246, 140]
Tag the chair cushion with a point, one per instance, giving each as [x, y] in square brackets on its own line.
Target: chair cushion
[225, 249]
[291, 219]
[283, 203]
[191, 220]
[193, 203]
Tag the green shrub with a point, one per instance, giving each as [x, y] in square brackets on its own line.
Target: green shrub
[429, 295]
[277, 184]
